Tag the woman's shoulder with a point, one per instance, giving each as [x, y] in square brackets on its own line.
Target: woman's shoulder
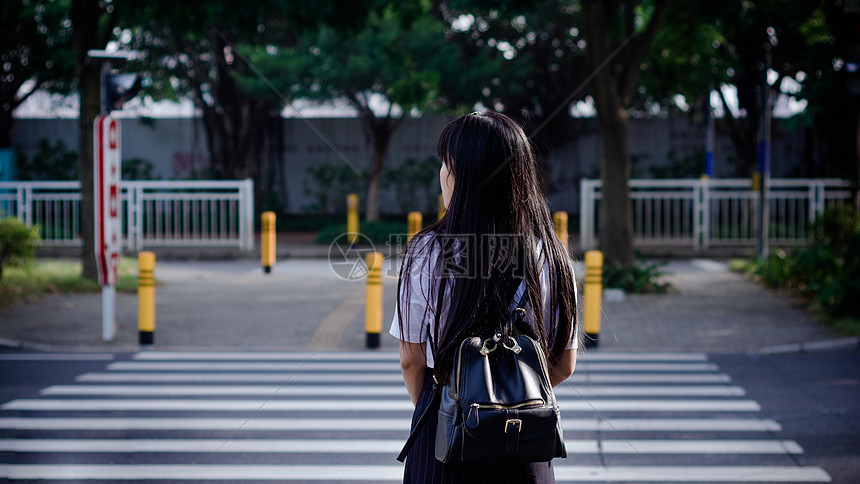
[422, 245]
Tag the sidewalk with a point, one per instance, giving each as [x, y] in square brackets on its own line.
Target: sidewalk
[711, 309]
[305, 305]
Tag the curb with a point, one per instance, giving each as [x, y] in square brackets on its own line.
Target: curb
[850, 343]
[10, 344]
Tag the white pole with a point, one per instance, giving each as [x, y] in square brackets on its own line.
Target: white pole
[108, 319]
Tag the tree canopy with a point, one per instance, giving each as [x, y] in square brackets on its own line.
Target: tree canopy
[241, 63]
[35, 54]
[397, 64]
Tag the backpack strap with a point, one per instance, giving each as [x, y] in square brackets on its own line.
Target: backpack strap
[433, 406]
[431, 409]
[522, 301]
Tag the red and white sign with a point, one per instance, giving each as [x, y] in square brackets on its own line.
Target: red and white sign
[106, 178]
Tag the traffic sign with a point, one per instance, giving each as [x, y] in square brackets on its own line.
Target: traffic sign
[107, 174]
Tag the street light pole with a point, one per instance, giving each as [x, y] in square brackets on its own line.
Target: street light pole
[764, 158]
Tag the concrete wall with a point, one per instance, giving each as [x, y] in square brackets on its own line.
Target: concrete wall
[177, 149]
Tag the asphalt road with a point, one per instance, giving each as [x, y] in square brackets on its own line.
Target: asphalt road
[816, 399]
[699, 418]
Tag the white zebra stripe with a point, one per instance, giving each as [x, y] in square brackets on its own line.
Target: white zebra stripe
[352, 424]
[378, 446]
[577, 378]
[384, 355]
[373, 366]
[365, 390]
[394, 473]
[675, 405]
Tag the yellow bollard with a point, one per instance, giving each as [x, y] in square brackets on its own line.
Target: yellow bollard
[414, 221]
[146, 297]
[593, 296]
[268, 239]
[352, 218]
[559, 220]
[373, 299]
[441, 206]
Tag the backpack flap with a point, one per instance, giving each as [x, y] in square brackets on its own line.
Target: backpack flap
[502, 376]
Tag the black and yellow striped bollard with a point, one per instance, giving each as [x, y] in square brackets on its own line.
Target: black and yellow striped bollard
[146, 298]
[352, 218]
[593, 296]
[373, 299]
[559, 220]
[268, 241]
[414, 221]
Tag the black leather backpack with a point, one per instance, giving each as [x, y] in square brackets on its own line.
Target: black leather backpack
[497, 405]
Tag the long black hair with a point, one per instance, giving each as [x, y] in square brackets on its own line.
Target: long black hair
[486, 242]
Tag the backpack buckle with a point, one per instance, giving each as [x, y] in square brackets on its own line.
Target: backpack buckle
[486, 349]
[514, 346]
[514, 422]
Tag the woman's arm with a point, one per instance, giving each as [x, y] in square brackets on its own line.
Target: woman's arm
[564, 368]
[413, 364]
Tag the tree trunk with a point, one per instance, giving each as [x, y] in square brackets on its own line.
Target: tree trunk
[234, 123]
[613, 85]
[374, 177]
[85, 15]
[616, 218]
[378, 132]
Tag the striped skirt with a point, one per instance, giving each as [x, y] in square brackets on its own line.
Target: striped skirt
[423, 468]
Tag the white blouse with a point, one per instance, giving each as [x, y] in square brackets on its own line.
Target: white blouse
[419, 310]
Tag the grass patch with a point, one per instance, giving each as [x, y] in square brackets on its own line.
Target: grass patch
[31, 282]
[845, 326]
[640, 278]
[740, 265]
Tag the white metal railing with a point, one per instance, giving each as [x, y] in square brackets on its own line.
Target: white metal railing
[155, 213]
[713, 212]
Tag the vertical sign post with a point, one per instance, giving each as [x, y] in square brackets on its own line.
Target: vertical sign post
[106, 174]
[764, 159]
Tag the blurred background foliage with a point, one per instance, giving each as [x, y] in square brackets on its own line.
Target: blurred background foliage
[825, 274]
[243, 63]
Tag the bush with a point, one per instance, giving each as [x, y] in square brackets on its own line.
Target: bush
[415, 183]
[825, 273]
[641, 278]
[775, 271]
[307, 223]
[17, 242]
[837, 228]
[138, 169]
[328, 185]
[379, 233]
[52, 161]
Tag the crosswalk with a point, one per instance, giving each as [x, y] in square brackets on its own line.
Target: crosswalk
[342, 417]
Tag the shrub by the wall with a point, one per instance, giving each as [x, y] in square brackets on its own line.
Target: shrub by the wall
[826, 273]
[17, 242]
